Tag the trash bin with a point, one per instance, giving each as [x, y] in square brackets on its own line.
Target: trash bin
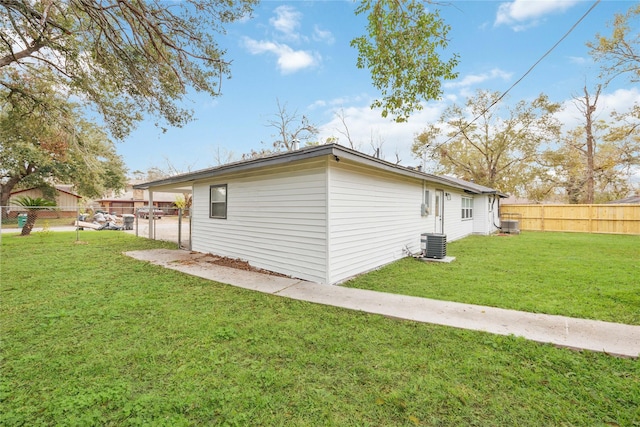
[22, 219]
[127, 220]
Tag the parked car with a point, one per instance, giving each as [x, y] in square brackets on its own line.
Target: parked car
[144, 213]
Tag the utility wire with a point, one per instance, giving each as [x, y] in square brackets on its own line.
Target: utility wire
[528, 71]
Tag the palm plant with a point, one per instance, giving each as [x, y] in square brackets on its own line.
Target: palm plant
[32, 205]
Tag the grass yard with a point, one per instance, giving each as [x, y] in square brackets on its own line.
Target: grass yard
[40, 222]
[91, 337]
[591, 276]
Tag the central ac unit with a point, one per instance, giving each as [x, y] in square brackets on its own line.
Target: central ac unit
[433, 245]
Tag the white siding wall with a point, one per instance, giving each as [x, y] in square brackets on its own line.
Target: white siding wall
[454, 226]
[483, 218]
[373, 216]
[324, 221]
[276, 219]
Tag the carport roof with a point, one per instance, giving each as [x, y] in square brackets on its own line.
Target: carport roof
[182, 182]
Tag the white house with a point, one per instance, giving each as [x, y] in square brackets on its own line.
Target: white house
[326, 213]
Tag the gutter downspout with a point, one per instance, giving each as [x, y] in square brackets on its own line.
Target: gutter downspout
[499, 227]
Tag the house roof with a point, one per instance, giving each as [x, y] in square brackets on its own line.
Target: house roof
[61, 188]
[173, 183]
[128, 196]
[633, 200]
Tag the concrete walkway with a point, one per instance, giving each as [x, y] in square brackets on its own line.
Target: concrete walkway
[612, 338]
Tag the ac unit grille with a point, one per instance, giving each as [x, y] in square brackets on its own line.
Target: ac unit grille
[510, 226]
[434, 245]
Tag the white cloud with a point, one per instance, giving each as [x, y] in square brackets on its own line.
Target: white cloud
[474, 79]
[579, 60]
[320, 103]
[621, 100]
[337, 103]
[321, 35]
[287, 21]
[523, 14]
[367, 126]
[289, 60]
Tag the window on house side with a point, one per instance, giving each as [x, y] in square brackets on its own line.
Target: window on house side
[467, 208]
[218, 201]
[427, 202]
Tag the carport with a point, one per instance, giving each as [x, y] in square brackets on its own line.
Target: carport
[168, 186]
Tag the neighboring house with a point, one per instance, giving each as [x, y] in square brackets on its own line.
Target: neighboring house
[326, 213]
[67, 201]
[132, 199]
[633, 200]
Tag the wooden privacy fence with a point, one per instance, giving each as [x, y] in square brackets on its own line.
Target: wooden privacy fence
[608, 219]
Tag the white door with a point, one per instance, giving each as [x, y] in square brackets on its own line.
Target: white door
[439, 211]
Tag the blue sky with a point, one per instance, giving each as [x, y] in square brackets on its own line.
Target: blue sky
[298, 53]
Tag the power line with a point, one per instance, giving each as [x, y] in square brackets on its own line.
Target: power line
[528, 71]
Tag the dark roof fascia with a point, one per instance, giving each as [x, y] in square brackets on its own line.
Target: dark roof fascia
[468, 187]
[309, 153]
[38, 188]
[390, 167]
[69, 193]
[278, 159]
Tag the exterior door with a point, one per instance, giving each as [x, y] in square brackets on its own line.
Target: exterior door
[439, 211]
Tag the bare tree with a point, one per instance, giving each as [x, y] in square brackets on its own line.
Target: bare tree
[397, 154]
[588, 108]
[376, 142]
[290, 128]
[595, 161]
[345, 129]
[222, 156]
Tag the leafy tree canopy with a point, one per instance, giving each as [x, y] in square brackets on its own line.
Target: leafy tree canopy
[499, 149]
[125, 58]
[619, 52]
[49, 142]
[608, 159]
[402, 49]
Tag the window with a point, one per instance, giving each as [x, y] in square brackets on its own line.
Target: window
[426, 206]
[467, 208]
[218, 201]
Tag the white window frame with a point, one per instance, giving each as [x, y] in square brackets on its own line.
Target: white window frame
[426, 205]
[467, 208]
[213, 188]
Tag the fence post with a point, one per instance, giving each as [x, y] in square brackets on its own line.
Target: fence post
[179, 228]
[77, 225]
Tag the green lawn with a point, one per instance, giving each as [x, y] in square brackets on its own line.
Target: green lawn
[91, 337]
[592, 276]
[40, 222]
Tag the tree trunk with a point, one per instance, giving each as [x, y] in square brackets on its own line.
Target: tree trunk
[5, 194]
[589, 110]
[32, 215]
